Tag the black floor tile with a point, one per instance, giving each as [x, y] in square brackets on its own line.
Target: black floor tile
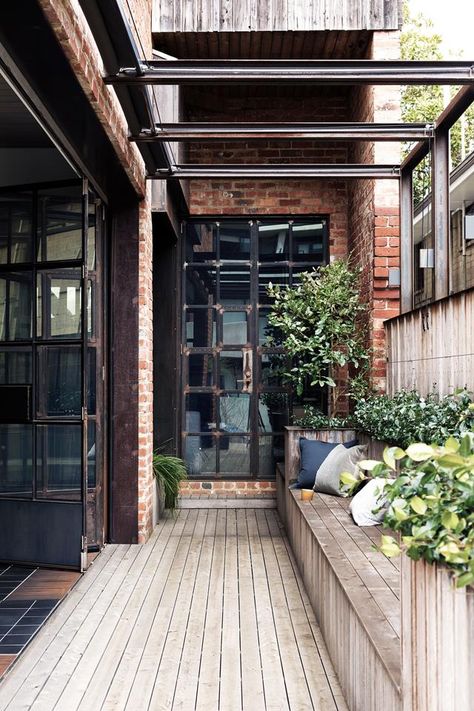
[10, 648]
[23, 629]
[20, 639]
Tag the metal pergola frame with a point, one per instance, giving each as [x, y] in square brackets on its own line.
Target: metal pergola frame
[187, 72]
[133, 77]
[234, 131]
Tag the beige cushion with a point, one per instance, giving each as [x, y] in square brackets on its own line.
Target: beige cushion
[338, 460]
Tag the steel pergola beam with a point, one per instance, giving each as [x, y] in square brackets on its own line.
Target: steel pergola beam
[188, 132]
[278, 171]
[310, 71]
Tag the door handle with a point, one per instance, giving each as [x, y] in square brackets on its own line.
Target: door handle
[247, 371]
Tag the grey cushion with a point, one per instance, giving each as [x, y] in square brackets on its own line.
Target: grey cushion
[338, 460]
[369, 505]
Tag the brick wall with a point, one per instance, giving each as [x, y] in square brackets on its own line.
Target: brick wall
[374, 216]
[74, 35]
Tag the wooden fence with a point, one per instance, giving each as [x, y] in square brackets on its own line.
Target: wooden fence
[432, 346]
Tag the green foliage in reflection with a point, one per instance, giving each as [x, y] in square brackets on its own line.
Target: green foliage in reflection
[431, 503]
[408, 417]
[321, 323]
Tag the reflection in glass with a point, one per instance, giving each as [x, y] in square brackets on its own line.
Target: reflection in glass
[59, 304]
[200, 327]
[15, 228]
[234, 411]
[234, 455]
[308, 241]
[91, 454]
[91, 237]
[90, 308]
[92, 381]
[15, 366]
[231, 370]
[235, 286]
[60, 223]
[270, 453]
[58, 461]
[272, 369]
[59, 390]
[271, 275]
[273, 242]
[200, 454]
[298, 271]
[201, 286]
[273, 413]
[234, 241]
[200, 370]
[234, 326]
[200, 411]
[201, 242]
[16, 457]
[268, 335]
[15, 306]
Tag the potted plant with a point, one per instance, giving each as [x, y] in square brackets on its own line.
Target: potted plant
[169, 472]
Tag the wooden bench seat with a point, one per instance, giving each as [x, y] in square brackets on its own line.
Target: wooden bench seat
[354, 591]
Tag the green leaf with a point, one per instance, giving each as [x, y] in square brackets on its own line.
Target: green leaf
[450, 520]
[368, 464]
[348, 479]
[465, 579]
[451, 460]
[418, 505]
[452, 444]
[391, 455]
[389, 547]
[399, 513]
[420, 452]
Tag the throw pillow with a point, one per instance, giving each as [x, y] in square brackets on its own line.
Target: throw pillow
[369, 505]
[338, 460]
[313, 452]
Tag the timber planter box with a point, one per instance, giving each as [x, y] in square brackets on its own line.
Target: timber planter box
[437, 639]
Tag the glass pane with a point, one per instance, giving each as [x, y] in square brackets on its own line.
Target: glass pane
[4, 232]
[60, 223]
[59, 381]
[15, 306]
[308, 241]
[234, 453]
[91, 237]
[297, 271]
[267, 334]
[59, 461]
[273, 242]
[273, 412]
[235, 286]
[91, 454]
[231, 370]
[16, 457]
[59, 304]
[200, 412]
[200, 455]
[272, 368]
[16, 228]
[234, 241]
[201, 286]
[15, 366]
[91, 308]
[270, 452]
[92, 381]
[234, 327]
[234, 412]
[200, 327]
[271, 275]
[201, 242]
[200, 370]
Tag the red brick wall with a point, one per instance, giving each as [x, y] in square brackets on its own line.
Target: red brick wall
[74, 35]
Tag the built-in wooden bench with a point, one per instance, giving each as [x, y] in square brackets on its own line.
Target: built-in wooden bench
[354, 589]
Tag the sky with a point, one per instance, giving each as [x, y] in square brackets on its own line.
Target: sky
[453, 20]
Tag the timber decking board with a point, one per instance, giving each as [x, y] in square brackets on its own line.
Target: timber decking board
[210, 614]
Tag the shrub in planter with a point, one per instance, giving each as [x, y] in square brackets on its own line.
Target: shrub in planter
[430, 503]
[408, 417]
[169, 473]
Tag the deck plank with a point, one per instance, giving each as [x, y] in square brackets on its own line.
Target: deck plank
[211, 613]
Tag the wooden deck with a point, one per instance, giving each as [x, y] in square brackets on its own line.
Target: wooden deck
[210, 614]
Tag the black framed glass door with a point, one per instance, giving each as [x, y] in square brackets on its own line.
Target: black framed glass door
[234, 402]
[50, 374]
